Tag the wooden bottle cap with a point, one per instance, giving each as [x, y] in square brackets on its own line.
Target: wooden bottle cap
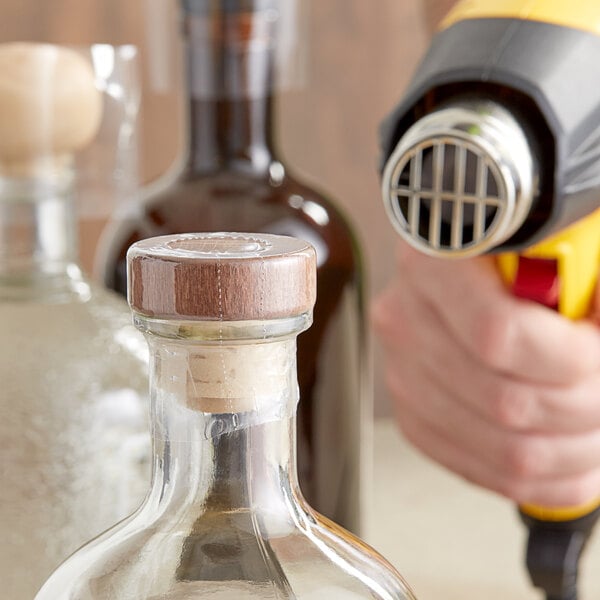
[49, 105]
[221, 277]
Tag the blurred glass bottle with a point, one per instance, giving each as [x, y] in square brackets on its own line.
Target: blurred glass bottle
[235, 180]
[73, 404]
[225, 518]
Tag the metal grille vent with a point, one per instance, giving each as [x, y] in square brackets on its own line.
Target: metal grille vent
[460, 181]
[447, 196]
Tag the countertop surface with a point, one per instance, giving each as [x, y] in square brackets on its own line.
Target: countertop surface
[448, 538]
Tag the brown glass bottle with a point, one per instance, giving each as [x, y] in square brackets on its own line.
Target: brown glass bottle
[234, 180]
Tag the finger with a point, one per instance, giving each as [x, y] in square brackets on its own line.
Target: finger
[407, 325]
[511, 468]
[514, 403]
[509, 402]
[510, 335]
[565, 491]
[516, 455]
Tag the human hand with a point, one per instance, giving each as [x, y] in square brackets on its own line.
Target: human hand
[502, 391]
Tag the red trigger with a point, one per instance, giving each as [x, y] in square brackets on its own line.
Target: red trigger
[537, 280]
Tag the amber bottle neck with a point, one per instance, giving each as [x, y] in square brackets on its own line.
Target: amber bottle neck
[230, 62]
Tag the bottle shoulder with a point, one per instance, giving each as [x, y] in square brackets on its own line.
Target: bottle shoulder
[237, 554]
[229, 200]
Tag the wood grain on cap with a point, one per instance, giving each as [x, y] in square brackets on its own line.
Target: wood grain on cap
[222, 276]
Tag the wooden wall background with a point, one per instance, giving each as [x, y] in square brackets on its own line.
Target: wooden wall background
[362, 53]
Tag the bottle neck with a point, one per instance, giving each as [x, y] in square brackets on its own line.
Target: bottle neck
[230, 62]
[38, 241]
[223, 423]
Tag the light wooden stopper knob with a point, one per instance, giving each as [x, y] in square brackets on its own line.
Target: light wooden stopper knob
[222, 277]
[49, 104]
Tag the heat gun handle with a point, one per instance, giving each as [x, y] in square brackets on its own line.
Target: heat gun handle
[574, 256]
[561, 273]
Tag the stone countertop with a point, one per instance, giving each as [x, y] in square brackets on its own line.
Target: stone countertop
[448, 538]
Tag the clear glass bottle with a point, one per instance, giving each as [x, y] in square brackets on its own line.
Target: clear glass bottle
[73, 438]
[225, 518]
[235, 179]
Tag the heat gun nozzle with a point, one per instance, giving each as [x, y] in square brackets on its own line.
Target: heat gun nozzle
[461, 180]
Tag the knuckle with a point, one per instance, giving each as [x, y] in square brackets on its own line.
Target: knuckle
[523, 460]
[389, 320]
[379, 313]
[398, 336]
[511, 406]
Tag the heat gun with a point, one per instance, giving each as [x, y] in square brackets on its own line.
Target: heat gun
[495, 148]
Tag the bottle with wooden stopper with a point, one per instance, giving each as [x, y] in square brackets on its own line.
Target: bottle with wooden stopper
[73, 435]
[225, 518]
[235, 179]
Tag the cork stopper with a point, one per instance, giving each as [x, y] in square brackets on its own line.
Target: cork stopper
[229, 378]
[49, 106]
[221, 277]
